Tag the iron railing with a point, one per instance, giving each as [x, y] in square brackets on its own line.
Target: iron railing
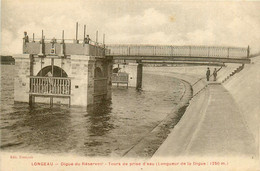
[168, 50]
[50, 85]
[79, 41]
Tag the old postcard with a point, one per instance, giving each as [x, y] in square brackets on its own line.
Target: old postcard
[130, 85]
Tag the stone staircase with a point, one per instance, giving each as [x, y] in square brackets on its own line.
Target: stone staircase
[237, 70]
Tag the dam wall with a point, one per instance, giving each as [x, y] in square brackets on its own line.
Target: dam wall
[244, 87]
[240, 104]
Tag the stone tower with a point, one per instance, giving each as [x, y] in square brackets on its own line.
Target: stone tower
[70, 72]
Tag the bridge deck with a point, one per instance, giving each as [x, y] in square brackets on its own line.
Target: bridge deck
[167, 50]
[179, 53]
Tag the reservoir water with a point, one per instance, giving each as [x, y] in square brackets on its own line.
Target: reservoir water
[109, 129]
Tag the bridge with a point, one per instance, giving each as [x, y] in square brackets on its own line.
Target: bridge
[201, 55]
[169, 54]
[77, 69]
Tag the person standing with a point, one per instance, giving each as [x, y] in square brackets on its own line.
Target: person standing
[215, 74]
[208, 74]
[26, 37]
[87, 39]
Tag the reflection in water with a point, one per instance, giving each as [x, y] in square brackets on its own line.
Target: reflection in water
[99, 119]
[109, 128]
[49, 128]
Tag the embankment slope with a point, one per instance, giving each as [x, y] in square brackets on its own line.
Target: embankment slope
[245, 89]
[234, 105]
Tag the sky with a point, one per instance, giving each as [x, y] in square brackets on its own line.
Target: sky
[216, 23]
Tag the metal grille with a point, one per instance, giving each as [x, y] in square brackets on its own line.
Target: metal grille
[50, 85]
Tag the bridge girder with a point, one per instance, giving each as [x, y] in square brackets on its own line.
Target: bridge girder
[185, 63]
[185, 58]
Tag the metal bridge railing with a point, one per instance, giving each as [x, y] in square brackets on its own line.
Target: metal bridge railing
[163, 50]
[79, 41]
[50, 85]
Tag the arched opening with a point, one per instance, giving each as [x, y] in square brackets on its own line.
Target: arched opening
[51, 80]
[98, 72]
[116, 70]
[57, 72]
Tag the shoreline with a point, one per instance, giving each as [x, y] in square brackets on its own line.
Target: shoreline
[148, 145]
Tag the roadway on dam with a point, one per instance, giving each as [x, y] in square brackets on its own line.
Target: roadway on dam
[211, 126]
[214, 124]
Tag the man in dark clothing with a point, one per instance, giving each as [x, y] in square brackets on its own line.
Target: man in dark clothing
[26, 37]
[87, 39]
[208, 74]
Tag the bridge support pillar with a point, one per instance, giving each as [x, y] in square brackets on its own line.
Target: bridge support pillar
[139, 78]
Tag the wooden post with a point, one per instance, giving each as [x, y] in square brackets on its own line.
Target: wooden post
[104, 46]
[62, 36]
[77, 32]
[139, 75]
[96, 37]
[37, 83]
[31, 100]
[84, 32]
[42, 46]
[52, 66]
[63, 87]
[61, 67]
[41, 67]
[62, 45]
[96, 50]
[31, 64]
[31, 85]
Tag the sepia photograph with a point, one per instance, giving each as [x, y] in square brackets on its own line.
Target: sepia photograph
[130, 85]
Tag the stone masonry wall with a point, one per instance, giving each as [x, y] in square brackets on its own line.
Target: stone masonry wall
[21, 81]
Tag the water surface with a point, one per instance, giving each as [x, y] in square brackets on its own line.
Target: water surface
[109, 129]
